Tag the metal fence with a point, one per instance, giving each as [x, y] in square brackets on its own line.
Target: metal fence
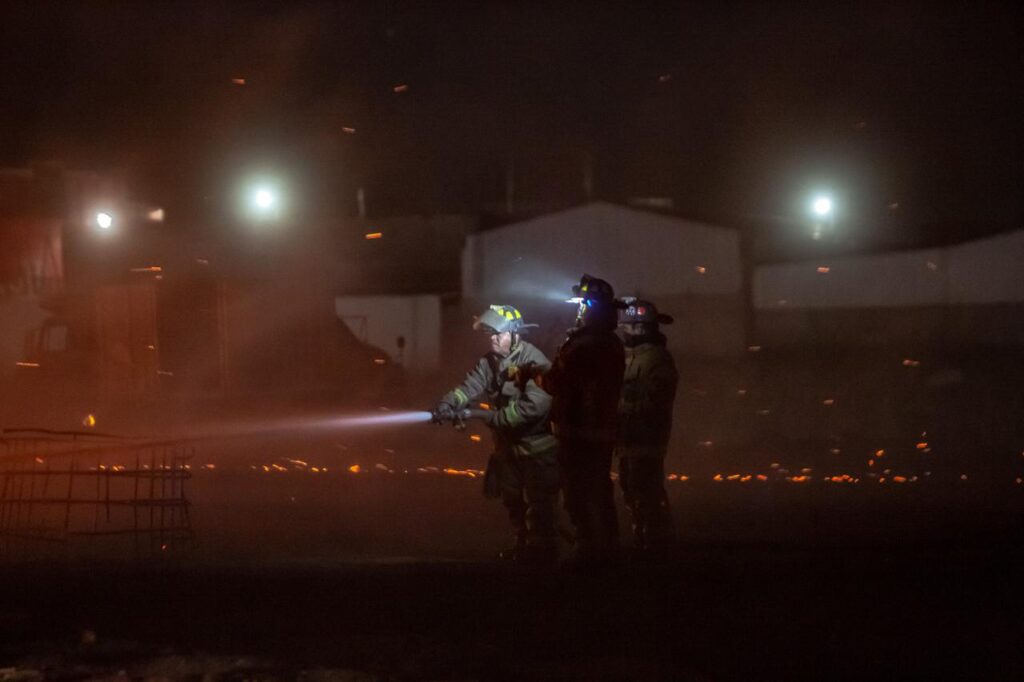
[75, 493]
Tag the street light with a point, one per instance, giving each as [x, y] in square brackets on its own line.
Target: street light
[822, 208]
[262, 201]
[104, 220]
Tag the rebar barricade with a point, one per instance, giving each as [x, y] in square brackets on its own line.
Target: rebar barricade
[82, 493]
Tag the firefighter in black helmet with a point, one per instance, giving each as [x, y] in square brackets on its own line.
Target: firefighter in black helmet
[645, 423]
[585, 381]
[522, 470]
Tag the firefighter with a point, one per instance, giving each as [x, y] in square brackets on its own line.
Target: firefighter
[523, 470]
[645, 423]
[585, 382]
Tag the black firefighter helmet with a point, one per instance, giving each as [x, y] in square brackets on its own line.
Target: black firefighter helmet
[593, 291]
[597, 303]
[639, 311]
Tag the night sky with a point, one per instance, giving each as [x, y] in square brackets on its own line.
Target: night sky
[911, 114]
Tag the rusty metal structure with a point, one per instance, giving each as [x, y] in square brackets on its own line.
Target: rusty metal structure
[81, 494]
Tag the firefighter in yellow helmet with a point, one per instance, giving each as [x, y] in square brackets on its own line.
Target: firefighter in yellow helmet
[522, 470]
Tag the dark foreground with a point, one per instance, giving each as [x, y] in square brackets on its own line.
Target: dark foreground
[714, 613]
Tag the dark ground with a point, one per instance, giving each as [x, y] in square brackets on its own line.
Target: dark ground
[379, 576]
[387, 575]
[716, 614]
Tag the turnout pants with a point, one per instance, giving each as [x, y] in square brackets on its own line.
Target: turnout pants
[529, 489]
[585, 468]
[642, 480]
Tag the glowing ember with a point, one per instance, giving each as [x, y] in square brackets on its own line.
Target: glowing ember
[470, 473]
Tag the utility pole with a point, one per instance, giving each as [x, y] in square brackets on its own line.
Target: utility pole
[588, 176]
[510, 184]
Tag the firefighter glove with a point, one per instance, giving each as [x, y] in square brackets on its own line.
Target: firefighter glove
[443, 413]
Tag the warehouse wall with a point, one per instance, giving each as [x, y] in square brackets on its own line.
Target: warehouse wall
[969, 293]
[690, 270]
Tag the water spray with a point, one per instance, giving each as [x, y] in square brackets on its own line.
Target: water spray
[239, 429]
[325, 423]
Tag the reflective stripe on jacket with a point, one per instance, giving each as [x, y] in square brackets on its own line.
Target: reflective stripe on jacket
[519, 416]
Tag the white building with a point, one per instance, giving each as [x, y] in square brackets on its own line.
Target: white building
[967, 293]
[688, 269]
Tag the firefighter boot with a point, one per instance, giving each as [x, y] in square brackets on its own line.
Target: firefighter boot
[516, 551]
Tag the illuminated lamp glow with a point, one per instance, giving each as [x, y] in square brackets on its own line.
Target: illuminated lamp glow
[822, 206]
[263, 198]
[104, 220]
